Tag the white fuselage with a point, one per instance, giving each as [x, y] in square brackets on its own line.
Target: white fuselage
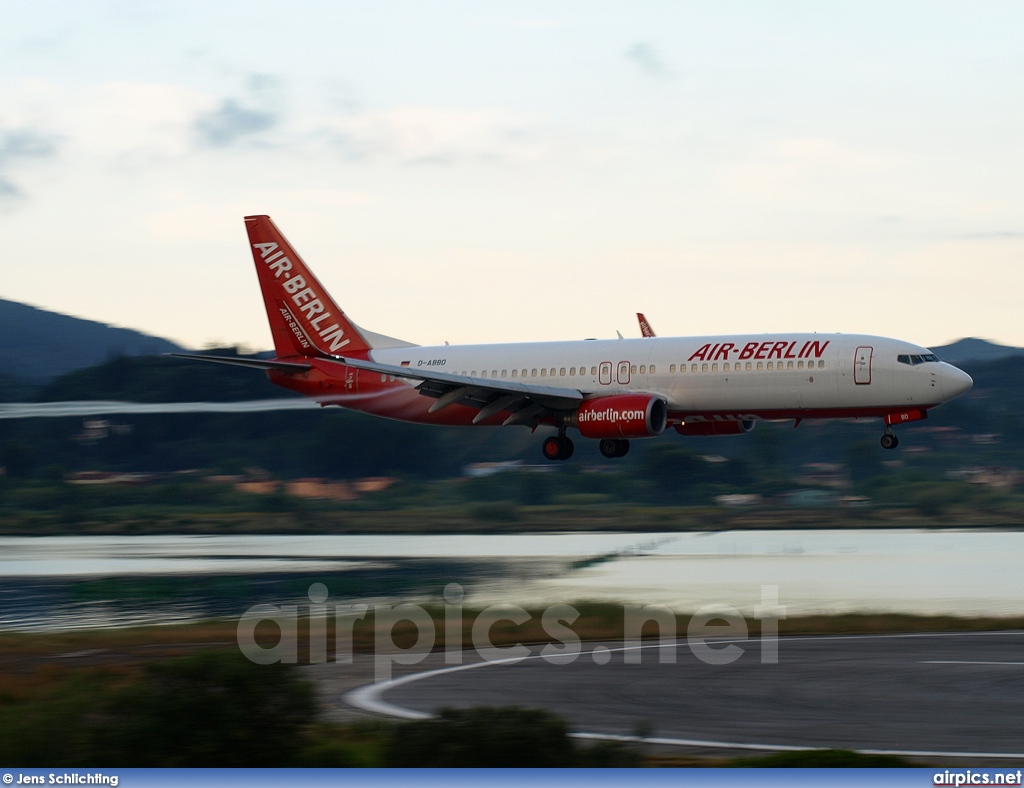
[756, 376]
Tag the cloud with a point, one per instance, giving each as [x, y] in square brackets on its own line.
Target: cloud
[18, 146]
[8, 191]
[236, 119]
[997, 235]
[647, 59]
[231, 122]
[26, 144]
[430, 135]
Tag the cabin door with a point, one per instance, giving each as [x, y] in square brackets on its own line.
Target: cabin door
[862, 366]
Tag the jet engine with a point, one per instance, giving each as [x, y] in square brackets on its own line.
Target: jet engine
[621, 416]
[704, 428]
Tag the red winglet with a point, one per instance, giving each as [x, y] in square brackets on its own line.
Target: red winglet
[304, 319]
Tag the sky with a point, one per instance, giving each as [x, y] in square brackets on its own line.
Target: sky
[519, 171]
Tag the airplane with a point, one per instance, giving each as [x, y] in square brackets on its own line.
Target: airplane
[612, 391]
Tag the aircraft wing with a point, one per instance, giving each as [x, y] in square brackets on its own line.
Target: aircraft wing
[528, 403]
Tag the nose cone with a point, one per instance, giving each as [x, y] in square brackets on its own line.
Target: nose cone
[955, 382]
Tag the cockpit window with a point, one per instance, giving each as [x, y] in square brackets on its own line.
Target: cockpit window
[913, 360]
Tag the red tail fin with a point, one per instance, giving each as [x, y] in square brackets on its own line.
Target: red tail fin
[304, 320]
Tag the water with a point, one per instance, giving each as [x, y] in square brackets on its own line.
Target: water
[59, 582]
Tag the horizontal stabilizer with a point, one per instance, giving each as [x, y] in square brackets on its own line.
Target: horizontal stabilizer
[255, 363]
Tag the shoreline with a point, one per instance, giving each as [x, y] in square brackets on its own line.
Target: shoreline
[510, 520]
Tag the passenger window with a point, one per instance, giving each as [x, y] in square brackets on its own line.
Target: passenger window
[682, 367]
[562, 371]
[800, 364]
[483, 373]
[714, 367]
[671, 367]
[771, 365]
[543, 373]
[552, 372]
[652, 369]
[703, 367]
[533, 374]
[821, 365]
[504, 373]
[593, 371]
[632, 369]
[524, 373]
[643, 369]
[760, 365]
[515, 372]
[748, 366]
[789, 365]
[725, 367]
[572, 371]
[693, 367]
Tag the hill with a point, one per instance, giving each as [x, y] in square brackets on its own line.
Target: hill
[38, 346]
[973, 349]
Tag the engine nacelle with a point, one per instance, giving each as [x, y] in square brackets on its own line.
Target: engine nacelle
[621, 416]
[704, 428]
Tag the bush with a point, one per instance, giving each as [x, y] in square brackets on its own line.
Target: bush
[487, 737]
[824, 759]
[207, 710]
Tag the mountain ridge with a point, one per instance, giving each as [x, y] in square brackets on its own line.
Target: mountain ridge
[37, 345]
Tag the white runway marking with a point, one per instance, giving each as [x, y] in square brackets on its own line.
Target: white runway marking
[369, 698]
[964, 662]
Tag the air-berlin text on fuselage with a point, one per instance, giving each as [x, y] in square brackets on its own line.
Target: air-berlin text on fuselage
[304, 297]
[760, 350]
[611, 414]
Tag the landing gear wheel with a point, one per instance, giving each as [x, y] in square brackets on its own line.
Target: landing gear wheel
[890, 441]
[613, 448]
[558, 448]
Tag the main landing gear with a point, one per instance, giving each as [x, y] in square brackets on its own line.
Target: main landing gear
[614, 448]
[889, 441]
[558, 447]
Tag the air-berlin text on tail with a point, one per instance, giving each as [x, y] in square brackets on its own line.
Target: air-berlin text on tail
[303, 296]
[760, 350]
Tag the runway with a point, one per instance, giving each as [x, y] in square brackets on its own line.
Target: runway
[928, 694]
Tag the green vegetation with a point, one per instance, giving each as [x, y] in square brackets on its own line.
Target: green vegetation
[488, 737]
[825, 759]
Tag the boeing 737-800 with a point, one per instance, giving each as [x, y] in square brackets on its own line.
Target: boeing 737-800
[612, 391]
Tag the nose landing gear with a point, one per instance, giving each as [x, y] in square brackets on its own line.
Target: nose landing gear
[889, 440]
